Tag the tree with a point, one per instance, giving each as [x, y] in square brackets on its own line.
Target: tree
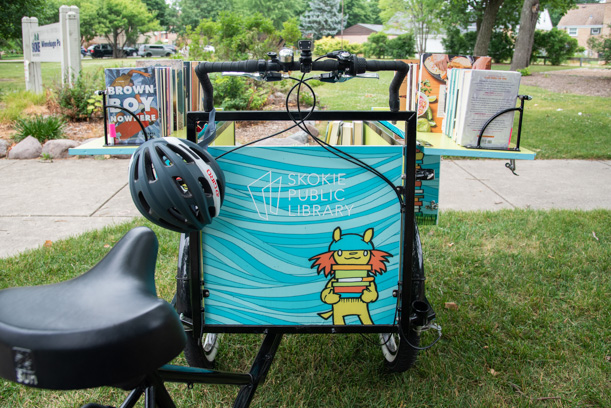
[127, 17]
[361, 11]
[193, 11]
[10, 17]
[375, 45]
[602, 46]
[290, 32]
[421, 16]
[526, 35]
[323, 18]
[487, 26]
[161, 10]
[278, 11]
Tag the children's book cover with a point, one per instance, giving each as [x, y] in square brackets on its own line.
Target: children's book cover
[134, 90]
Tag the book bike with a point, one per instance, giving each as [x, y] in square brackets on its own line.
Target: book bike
[310, 239]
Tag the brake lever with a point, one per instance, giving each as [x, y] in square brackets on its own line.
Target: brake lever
[335, 77]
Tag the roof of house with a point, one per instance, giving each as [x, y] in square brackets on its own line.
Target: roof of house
[366, 29]
[584, 15]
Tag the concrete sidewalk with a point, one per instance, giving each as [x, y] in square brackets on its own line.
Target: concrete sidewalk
[50, 201]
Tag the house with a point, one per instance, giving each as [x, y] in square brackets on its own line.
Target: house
[587, 20]
[358, 33]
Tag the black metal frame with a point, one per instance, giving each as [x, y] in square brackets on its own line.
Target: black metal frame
[520, 110]
[105, 108]
[199, 119]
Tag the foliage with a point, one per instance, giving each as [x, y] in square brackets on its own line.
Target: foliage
[361, 11]
[501, 46]
[555, 44]
[602, 45]
[10, 17]
[40, 127]
[329, 44]
[192, 12]
[403, 46]
[457, 43]
[421, 17]
[124, 19]
[375, 46]
[278, 11]
[74, 101]
[525, 71]
[235, 37]
[290, 32]
[322, 18]
[234, 93]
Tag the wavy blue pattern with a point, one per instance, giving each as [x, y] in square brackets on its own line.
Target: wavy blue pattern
[281, 207]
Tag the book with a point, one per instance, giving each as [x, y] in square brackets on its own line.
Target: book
[433, 82]
[135, 90]
[484, 94]
[347, 134]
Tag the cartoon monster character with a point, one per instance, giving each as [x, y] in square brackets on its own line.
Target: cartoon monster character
[352, 263]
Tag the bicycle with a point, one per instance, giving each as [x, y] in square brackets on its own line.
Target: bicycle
[107, 327]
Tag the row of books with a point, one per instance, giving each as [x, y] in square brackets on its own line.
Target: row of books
[344, 133]
[473, 97]
[457, 94]
[158, 92]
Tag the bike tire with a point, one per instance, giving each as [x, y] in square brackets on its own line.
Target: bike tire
[399, 349]
[202, 355]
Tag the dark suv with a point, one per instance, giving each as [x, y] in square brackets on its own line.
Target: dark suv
[101, 51]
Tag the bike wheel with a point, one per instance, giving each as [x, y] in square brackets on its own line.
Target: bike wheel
[202, 355]
[399, 349]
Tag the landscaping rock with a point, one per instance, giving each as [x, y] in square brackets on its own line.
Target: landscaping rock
[300, 137]
[4, 144]
[58, 149]
[28, 148]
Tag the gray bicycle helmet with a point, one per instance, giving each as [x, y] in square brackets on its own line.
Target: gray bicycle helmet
[176, 184]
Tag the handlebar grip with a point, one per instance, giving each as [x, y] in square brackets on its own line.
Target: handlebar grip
[401, 69]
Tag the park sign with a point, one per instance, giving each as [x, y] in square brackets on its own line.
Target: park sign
[46, 43]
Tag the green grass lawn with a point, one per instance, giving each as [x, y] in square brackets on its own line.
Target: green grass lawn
[531, 328]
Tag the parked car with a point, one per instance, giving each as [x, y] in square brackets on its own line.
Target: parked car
[170, 47]
[130, 51]
[101, 51]
[153, 50]
[83, 52]
[90, 50]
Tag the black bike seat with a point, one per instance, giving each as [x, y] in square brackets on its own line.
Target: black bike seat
[105, 327]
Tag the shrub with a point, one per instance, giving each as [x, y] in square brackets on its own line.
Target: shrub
[40, 127]
[501, 46]
[375, 45]
[602, 46]
[233, 93]
[456, 43]
[329, 44]
[73, 101]
[403, 46]
[556, 44]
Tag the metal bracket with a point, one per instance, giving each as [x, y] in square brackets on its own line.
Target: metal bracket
[512, 166]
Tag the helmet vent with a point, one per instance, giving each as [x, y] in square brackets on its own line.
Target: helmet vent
[184, 155]
[144, 203]
[134, 166]
[176, 214]
[205, 185]
[182, 186]
[164, 158]
[151, 175]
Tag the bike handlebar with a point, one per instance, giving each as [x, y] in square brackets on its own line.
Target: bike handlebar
[356, 66]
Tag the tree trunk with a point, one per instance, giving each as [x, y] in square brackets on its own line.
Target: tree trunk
[485, 30]
[526, 35]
